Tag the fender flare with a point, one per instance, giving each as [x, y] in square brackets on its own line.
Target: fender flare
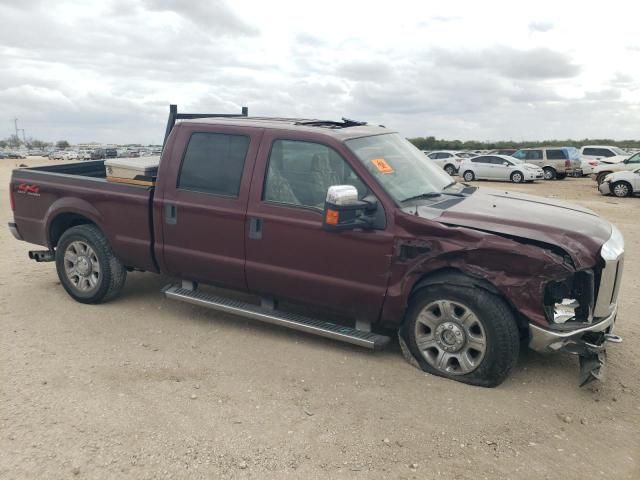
[71, 205]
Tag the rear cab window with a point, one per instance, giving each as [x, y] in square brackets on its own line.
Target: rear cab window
[213, 163]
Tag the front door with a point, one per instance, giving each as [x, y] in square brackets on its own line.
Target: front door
[289, 255]
[204, 210]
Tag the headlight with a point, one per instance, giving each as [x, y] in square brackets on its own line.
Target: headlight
[614, 247]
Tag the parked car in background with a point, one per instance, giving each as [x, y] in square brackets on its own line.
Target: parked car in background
[2, 155]
[603, 153]
[504, 151]
[448, 160]
[626, 164]
[499, 167]
[556, 162]
[57, 155]
[110, 153]
[621, 184]
[84, 154]
[16, 155]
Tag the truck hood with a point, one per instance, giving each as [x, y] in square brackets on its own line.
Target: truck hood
[576, 230]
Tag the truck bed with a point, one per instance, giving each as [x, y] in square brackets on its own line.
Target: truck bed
[69, 192]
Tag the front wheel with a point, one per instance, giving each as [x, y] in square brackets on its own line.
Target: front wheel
[601, 176]
[549, 173]
[87, 267]
[621, 189]
[517, 177]
[468, 176]
[462, 333]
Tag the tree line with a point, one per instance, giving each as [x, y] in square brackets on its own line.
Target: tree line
[14, 141]
[432, 143]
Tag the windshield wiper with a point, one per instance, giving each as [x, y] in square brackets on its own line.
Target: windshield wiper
[422, 195]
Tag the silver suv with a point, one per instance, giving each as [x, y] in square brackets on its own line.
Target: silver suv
[557, 162]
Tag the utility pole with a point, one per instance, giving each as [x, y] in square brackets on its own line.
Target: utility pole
[15, 124]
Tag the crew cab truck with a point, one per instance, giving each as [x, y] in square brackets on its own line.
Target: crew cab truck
[342, 216]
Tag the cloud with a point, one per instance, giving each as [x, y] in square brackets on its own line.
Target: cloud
[540, 26]
[536, 63]
[362, 70]
[214, 16]
[106, 71]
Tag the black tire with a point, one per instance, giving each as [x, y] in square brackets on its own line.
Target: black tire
[112, 274]
[502, 338]
[600, 177]
[549, 173]
[621, 189]
[517, 177]
[469, 176]
[561, 176]
[450, 169]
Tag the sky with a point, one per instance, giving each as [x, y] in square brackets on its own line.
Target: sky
[106, 71]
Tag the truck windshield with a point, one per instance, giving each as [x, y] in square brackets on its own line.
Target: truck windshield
[402, 170]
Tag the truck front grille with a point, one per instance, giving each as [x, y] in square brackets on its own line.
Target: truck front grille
[610, 280]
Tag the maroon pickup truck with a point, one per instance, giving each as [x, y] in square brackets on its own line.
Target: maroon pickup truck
[348, 218]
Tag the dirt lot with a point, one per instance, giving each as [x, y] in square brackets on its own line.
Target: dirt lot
[143, 387]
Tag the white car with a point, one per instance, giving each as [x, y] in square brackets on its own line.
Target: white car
[499, 167]
[621, 184]
[626, 164]
[594, 155]
[448, 160]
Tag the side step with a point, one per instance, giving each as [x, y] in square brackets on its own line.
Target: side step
[284, 319]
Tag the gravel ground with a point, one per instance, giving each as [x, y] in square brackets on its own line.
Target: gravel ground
[143, 387]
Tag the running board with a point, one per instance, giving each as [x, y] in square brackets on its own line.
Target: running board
[283, 319]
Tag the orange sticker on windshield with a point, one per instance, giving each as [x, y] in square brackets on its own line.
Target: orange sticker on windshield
[382, 165]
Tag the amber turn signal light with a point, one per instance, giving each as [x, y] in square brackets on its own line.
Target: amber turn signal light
[332, 217]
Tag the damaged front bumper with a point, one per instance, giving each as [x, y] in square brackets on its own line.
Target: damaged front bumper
[577, 341]
[588, 342]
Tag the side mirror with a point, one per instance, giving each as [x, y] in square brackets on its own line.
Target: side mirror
[343, 210]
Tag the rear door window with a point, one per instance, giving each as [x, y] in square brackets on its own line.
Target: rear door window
[534, 155]
[556, 154]
[213, 163]
[480, 160]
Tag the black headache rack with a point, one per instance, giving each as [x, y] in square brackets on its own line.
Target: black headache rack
[174, 115]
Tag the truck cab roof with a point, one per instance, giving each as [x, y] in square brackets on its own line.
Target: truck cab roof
[341, 130]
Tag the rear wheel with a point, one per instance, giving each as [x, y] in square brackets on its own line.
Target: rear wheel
[549, 173]
[517, 177]
[462, 333]
[87, 267]
[468, 176]
[621, 189]
[450, 169]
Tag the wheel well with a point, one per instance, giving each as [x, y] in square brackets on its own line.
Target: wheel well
[64, 222]
[452, 276]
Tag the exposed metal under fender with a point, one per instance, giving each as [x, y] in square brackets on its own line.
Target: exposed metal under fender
[283, 319]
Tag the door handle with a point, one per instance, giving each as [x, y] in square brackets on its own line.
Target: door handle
[255, 228]
[170, 213]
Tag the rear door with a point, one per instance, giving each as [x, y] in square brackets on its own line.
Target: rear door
[481, 167]
[289, 255]
[204, 196]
